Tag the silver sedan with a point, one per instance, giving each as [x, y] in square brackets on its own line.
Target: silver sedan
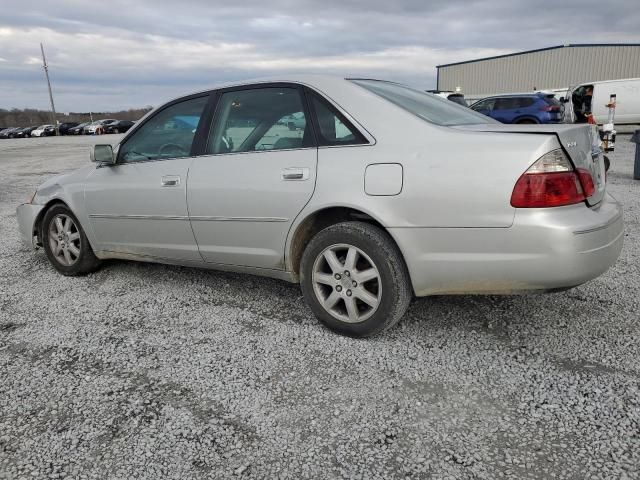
[380, 193]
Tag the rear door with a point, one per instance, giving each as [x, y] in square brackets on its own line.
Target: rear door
[257, 174]
[505, 109]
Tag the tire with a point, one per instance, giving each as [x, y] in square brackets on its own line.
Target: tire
[373, 270]
[526, 122]
[55, 231]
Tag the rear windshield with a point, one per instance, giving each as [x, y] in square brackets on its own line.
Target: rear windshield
[457, 98]
[552, 101]
[429, 107]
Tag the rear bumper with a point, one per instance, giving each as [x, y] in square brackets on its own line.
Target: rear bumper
[27, 215]
[545, 249]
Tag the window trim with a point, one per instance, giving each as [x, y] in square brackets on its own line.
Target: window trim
[473, 106]
[217, 94]
[340, 115]
[195, 145]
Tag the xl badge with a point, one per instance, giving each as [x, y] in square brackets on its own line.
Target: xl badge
[571, 144]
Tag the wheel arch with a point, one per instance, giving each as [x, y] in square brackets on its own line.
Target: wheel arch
[37, 224]
[316, 221]
[529, 118]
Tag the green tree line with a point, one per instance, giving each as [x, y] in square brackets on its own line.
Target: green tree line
[29, 117]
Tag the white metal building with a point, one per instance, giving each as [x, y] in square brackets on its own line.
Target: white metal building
[549, 68]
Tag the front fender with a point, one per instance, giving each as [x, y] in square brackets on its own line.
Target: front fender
[69, 190]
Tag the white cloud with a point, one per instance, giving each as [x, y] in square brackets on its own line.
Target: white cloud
[120, 53]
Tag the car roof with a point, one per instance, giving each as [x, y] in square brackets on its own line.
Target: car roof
[510, 95]
[316, 80]
[320, 82]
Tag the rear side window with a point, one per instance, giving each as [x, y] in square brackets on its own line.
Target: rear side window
[334, 128]
[525, 102]
[510, 103]
[552, 101]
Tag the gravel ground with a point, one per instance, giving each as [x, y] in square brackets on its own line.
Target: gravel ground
[151, 371]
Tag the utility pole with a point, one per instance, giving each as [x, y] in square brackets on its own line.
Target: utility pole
[46, 72]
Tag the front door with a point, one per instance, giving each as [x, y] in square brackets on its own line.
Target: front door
[138, 206]
[258, 174]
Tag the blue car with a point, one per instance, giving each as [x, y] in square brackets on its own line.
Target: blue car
[522, 108]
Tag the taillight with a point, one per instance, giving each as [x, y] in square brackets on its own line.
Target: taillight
[586, 179]
[550, 108]
[552, 182]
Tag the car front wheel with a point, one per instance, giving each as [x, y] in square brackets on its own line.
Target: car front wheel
[354, 279]
[65, 242]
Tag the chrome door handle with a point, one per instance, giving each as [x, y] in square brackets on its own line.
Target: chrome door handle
[295, 173]
[170, 181]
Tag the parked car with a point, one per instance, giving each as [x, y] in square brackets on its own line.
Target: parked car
[50, 131]
[97, 127]
[15, 133]
[455, 97]
[537, 107]
[389, 192]
[78, 130]
[119, 126]
[9, 132]
[24, 132]
[40, 131]
[64, 128]
[627, 93]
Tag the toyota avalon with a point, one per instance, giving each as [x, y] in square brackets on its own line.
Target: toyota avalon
[381, 193]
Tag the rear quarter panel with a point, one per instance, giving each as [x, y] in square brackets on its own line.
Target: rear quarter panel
[451, 178]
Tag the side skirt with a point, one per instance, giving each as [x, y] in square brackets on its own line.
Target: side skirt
[261, 272]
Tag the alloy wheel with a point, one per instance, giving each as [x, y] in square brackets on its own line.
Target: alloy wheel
[347, 283]
[64, 240]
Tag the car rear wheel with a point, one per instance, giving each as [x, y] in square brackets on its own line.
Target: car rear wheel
[354, 279]
[526, 122]
[66, 244]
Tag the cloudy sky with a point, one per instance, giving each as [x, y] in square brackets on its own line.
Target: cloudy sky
[114, 54]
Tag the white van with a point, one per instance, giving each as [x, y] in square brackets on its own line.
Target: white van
[627, 100]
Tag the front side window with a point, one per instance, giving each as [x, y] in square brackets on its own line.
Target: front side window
[334, 128]
[429, 107]
[168, 134]
[259, 119]
[484, 105]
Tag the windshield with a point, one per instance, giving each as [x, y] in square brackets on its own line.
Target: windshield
[425, 105]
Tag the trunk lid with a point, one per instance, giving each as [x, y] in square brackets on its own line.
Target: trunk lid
[580, 142]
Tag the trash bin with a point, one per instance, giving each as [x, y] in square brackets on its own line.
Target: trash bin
[635, 138]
